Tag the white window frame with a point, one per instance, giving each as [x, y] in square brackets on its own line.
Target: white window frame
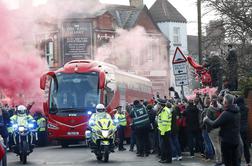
[176, 35]
[49, 53]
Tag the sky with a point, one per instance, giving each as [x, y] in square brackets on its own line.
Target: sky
[186, 7]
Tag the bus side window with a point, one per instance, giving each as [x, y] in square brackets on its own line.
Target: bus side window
[109, 92]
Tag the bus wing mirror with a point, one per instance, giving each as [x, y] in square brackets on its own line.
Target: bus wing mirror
[43, 82]
[43, 79]
[102, 80]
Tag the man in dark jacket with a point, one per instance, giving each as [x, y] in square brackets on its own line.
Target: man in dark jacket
[153, 127]
[193, 127]
[244, 127]
[4, 121]
[176, 149]
[141, 125]
[229, 123]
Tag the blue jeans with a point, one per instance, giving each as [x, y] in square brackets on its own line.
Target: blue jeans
[195, 141]
[209, 151]
[176, 149]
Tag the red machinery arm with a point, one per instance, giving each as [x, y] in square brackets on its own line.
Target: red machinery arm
[203, 73]
[194, 64]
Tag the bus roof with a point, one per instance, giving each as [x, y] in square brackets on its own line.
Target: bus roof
[93, 64]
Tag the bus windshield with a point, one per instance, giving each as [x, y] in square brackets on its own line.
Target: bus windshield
[74, 92]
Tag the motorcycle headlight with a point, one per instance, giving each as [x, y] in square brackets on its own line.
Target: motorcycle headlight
[116, 121]
[88, 134]
[89, 112]
[15, 126]
[30, 125]
[91, 122]
[105, 133]
[21, 129]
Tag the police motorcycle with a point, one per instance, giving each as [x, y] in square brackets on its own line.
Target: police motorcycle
[24, 134]
[100, 135]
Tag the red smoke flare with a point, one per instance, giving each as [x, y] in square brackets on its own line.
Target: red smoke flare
[20, 68]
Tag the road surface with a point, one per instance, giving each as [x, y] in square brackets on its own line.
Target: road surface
[81, 156]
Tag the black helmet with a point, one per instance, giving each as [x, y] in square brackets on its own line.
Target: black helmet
[161, 101]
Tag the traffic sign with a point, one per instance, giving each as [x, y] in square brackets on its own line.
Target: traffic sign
[181, 80]
[180, 68]
[178, 57]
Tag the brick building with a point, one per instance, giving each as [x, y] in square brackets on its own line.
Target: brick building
[79, 35]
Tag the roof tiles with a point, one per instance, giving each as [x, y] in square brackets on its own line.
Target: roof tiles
[164, 11]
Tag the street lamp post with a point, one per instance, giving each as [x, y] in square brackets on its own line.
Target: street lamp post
[199, 31]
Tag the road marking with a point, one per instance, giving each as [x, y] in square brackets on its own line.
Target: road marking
[192, 163]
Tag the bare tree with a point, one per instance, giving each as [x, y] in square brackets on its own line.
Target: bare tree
[235, 12]
[236, 18]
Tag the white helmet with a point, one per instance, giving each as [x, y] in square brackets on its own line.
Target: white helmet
[21, 110]
[100, 108]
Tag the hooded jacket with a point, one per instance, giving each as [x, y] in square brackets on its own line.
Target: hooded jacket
[192, 118]
[244, 114]
[229, 123]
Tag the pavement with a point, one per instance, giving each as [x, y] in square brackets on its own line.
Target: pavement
[82, 156]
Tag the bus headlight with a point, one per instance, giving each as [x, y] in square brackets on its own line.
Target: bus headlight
[51, 126]
[89, 112]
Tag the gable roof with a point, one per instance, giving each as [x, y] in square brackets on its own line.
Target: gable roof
[164, 11]
[125, 16]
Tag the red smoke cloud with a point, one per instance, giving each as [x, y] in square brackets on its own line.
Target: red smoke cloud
[133, 46]
[20, 65]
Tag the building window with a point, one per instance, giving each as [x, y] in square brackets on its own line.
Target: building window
[49, 53]
[176, 35]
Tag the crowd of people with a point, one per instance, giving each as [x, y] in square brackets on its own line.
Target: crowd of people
[214, 126]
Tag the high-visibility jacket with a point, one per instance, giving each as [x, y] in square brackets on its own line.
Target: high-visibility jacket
[41, 124]
[164, 120]
[10, 129]
[21, 120]
[140, 117]
[121, 119]
[96, 116]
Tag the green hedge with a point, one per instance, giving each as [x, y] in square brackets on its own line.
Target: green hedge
[245, 85]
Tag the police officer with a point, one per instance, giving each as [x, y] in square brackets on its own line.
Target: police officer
[100, 113]
[141, 124]
[22, 119]
[164, 119]
[41, 121]
[21, 116]
[121, 122]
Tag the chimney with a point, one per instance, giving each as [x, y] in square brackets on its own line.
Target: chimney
[136, 3]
